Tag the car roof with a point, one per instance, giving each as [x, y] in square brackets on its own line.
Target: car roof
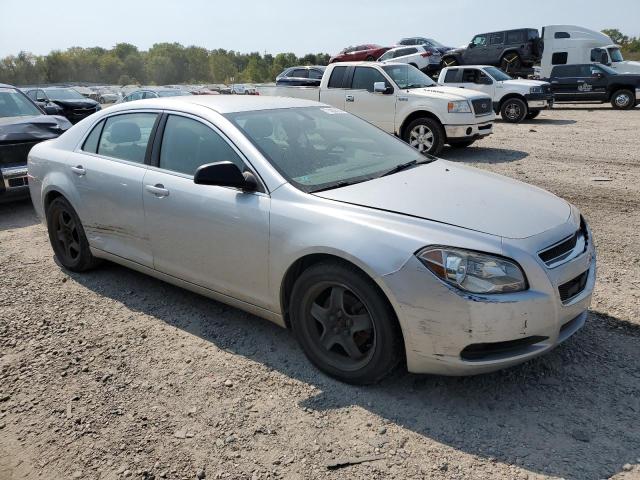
[4, 85]
[218, 103]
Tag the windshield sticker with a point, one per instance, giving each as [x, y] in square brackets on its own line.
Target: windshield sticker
[332, 111]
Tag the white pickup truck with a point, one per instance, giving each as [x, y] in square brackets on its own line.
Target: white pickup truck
[514, 99]
[401, 100]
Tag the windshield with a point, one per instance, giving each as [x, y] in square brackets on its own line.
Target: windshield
[63, 94]
[607, 69]
[434, 43]
[497, 74]
[172, 93]
[407, 76]
[15, 104]
[316, 148]
[616, 55]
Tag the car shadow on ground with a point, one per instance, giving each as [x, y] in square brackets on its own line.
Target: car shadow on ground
[541, 121]
[482, 154]
[17, 214]
[572, 413]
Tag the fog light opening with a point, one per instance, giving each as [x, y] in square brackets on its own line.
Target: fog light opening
[469, 130]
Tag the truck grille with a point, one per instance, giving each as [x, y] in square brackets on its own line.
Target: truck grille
[15, 153]
[546, 88]
[482, 106]
[573, 287]
[564, 250]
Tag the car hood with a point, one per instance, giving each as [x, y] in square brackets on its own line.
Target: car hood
[524, 83]
[447, 93]
[627, 66]
[39, 127]
[462, 196]
[84, 103]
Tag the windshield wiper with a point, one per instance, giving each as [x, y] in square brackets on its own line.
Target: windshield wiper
[341, 183]
[405, 166]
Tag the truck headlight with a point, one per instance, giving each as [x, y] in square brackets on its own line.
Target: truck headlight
[472, 271]
[459, 106]
[535, 90]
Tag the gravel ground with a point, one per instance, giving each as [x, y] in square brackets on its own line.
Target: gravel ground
[112, 374]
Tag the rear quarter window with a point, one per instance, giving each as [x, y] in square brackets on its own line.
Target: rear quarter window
[515, 37]
[451, 76]
[559, 58]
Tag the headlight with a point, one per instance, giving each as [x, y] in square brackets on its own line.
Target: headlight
[473, 272]
[460, 106]
[535, 90]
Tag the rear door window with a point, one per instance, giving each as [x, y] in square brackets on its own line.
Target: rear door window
[497, 38]
[300, 73]
[126, 136]
[515, 37]
[451, 76]
[337, 77]
[188, 144]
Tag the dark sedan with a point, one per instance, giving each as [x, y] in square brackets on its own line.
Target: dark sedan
[63, 101]
[368, 52]
[305, 76]
[22, 125]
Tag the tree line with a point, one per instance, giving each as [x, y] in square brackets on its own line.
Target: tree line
[630, 46]
[162, 64]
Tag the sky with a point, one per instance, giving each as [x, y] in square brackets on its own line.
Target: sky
[288, 25]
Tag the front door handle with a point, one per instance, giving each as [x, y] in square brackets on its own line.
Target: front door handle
[349, 98]
[158, 190]
[79, 170]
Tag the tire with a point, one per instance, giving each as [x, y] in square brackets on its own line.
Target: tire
[67, 237]
[369, 59]
[513, 110]
[623, 99]
[414, 65]
[510, 62]
[344, 324]
[450, 62]
[425, 135]
[461, 143]
[533, 114]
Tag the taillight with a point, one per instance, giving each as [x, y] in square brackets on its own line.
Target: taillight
[426, 54]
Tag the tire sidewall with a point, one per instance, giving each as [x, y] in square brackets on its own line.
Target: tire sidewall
[436, 129]
[631, 103]
[387, 353]
[523, 110]
[85, 260]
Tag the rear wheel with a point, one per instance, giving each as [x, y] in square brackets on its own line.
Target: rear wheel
[369, 59]
[67, 237]
[533, 114]
[450, 62]
[461, 143]
[513, 110]
[344, 324]
[425, 135]
[510, 62]
[623, 99]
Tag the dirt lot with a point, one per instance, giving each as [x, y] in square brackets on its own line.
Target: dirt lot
[112, 374]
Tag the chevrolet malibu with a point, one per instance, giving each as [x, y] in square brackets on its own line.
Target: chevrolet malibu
[371, 253]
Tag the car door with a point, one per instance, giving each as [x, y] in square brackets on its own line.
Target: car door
[337, 87]
[587, 83]
[494, 51]
[212, 236]
[599, 82]
[564, 83]
[409, 55]
[476, 79]
[476, 51]
[374, 107]
[107, 171]
[299, 77]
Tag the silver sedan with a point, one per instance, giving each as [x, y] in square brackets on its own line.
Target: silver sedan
[372, 254]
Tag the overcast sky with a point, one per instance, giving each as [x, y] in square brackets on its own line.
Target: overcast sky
[40, 26]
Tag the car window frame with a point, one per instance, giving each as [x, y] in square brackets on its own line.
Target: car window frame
[147, 156]
[387, 79]
[154, 160]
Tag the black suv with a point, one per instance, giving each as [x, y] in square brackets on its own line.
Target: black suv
[303, 76]
[594, 83]
[511, 50]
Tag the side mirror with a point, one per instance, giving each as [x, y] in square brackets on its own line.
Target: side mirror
[381, 87]
[225, 174]
[598, 75]
[472, 45]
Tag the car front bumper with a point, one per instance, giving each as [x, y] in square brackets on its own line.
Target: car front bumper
[467, 132]
[14, 183]
[539, 101]
[442, 324]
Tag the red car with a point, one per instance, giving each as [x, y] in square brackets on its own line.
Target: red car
[367, 52]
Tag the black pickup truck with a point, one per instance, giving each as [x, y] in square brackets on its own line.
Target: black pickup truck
[22, 125]
[591, 82]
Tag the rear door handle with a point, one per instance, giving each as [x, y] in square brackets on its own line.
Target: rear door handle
[78, 170]
[349, 98]
[158, 190]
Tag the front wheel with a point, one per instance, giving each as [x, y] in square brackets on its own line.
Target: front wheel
[450, 62]
[511, 63]
[425, 135]
[67, 237]
[461, 143]
[623, 100]
[344, 324]
[513, 110]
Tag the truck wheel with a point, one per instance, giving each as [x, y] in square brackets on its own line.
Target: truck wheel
[533, 114]
[510, 62]
[425, 135]
[344, 323]
[461, 143]
[369, 59]
[513, 110]
[623, 99]
[450, 62]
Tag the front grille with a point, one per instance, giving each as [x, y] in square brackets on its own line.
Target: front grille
[546, 88]
[561, 251]
[573, 287]
[482, 106]
[15, 153]
[18, 182]
[480, 351]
